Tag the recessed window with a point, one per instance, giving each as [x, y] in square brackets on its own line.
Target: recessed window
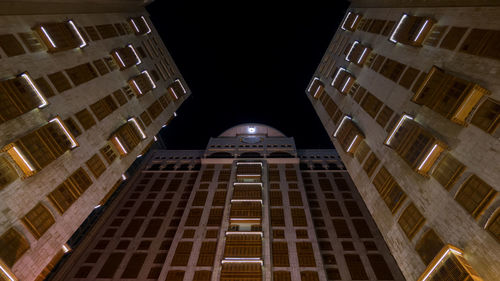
[351, 21]
[357, 53]
[38, 220]
[60, 36]
[140, 25]
[176, 89]
[316, 88]
[343, 80]
[411, 30]
[127, 137]
[142, 83]
[349, 135]
[126, 57]
[487, 116]
[411, 221]
[475, 195]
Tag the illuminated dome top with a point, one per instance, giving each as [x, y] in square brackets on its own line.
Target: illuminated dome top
[252, 129]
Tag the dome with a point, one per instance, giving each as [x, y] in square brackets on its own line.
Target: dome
[252, 129]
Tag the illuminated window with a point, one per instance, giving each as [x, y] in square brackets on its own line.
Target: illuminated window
[66, 193]
[349, 135]
[357, 53]
[493, 225]
[7, 172]
[127, 137]
[389, 190]
[175, 275]
[176, 89]
[305, 254]
[103, 107]
[12, 246]
[487, 116]
[38, 149]
[60, 36]
[248, 192]
[19, 95]
[371, 164]
[243, 246]
[316, 88]
[126, 57]
[450, 96]
[448, 171]
[428, 246]
[96, 165]
[280, 254]
[246, 211]
[417, 146]
[142, 83]
[411, 30]
[475, 195]
[108, 153]
[38, 220]
[140, 25]
[241, 271]
[351, 21]
[343, 80]
[411, 221]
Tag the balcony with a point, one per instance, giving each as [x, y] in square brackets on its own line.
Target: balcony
[176, 89]
[139, 25]
[19, 95]
[127, 137]
[60, 36]
[351, 21]
[416, 145]
[38, 149]
[357, 53]
[142, 83]
[411, 30]
[126, 57]
[348, 135]
[316, 88]
[343, 80]
[450, 96]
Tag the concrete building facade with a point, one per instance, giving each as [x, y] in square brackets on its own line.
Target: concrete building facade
[248, 207]
[409, 93]
[83, 92]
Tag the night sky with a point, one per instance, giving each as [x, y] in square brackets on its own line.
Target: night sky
[246, 64]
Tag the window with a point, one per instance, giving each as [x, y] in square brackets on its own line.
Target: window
[280, 254]
[103, 107]
[435, 35]
[351, 21]
[126, 138]
[316, 88]
[44, 87]
[379, 266]
[355, 266]
[392, 69]
[202, 275]
[175, 275]
[207, 254]
[120, 97]
[309, 276]
[493, 225]
[384, 116]
[450, 96]
[108, 153]
[389, 190]
[275, 198]
[408, 77]
[305, 254]
[155, 109]
[377, 62]
[482, 42]
[452, 38]
[10, 45]
[376, 26]
[60, 36]
[125, 57]
[215, 217]
[341, 228]
[139, 25]
[343, 80]
[295, 198]
[194, 217]
[182, 253]
[362, 152]
[247, 210]
[7, 172]
[81, 73]
[38, 220]
[371, 164]
[200, 198]
[362, 228]
[282, 276]
[417, 146]
[371, 104]
[429, 246]
[277, 217]
[96, 166]
[106, 31]
[348, 135]
[298, 217]
[176, 89]
[411, 30]
[219, 198]
[241, 271]
[243, 246]
[487, 117]
[12, 246]
[411, 221]
[142, 83]
[100, 65]
[357, 53]
[85, 119]
[448, 171]
[73, 127]
[475, 195]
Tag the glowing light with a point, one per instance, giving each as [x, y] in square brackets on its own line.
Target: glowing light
[138, 127]
[246, 200]
[7, 273]
[175, 114]
[135, 53]
[146, 23]
[354, 21]
[345, 20]
[120, 58]
[124, 177]
[83, 44]
[249, 175]
[121, 146]
[68, 135]
[173, 92]
[48, 37]
[66, 248]
[388, 141]
[97, 206]
[137, 87]
[241, 261]
[183, 89]
[149, 77]
[440, 260]
[427, 157]
[421, 30]
[362, 55]
[245, 233]
[350, 50]
[312, 83]
[247, 183]
[26, 162]
[391, 38]
[249, 163]
[341, 124]
[247, 219]
[155, 138]
[251, 130]
[139, 156]
[352, 143]
[38, 93]
[135, 26]
[163, 126]
[337, 75]
[317, 91]
[345, 84]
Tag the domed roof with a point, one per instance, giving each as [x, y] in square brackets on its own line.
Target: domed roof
[252, 129]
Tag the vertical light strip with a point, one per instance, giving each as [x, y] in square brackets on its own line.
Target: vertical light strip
[354, 21]
[312, 83]
[440, 260]
[137, 86]
[388, 141]
[337, 75]
[121, 146]
[317, 91]
[350, 50]
[68, 135]
[341, 124]
[146, 23]
[120, 58]
[352, 143]
[83, 44]
[149, 77]
[391, 38]
[135, 53]
[7, 273]
[135, 26]
[38, 93]
[21, 155]
[421, 30]
[362, 55]
[173, 92]
[66, 248]
[427, 157]
[345, 84]
[179, 81]
[124, 177]
[48, 36]
[137, 126]
[345, 20]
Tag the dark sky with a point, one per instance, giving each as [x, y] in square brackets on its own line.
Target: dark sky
[246, 63]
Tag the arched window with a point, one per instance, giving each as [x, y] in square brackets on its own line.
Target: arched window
[429, 246]
[475, 195]
[493, 225]
[220, 155]
[38, 220]
[280, 154]
[12, 246]
[250, 155]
